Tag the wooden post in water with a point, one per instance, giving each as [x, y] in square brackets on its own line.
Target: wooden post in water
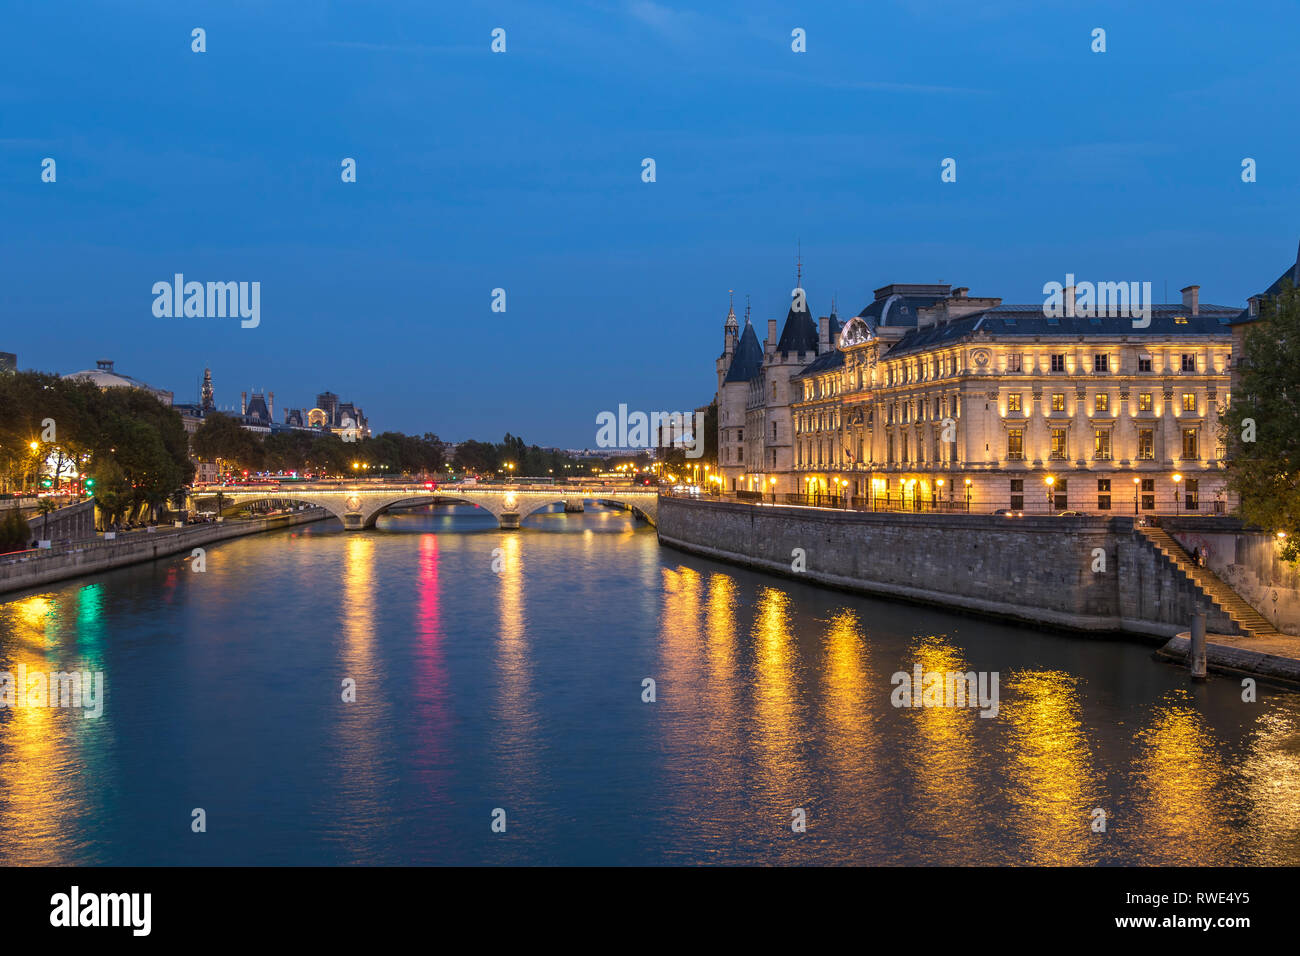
[1196, 650]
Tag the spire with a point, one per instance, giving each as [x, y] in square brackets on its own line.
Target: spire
[731, 311]
[747, 308]
[798, 267]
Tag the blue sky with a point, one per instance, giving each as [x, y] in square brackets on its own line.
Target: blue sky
[522, 171]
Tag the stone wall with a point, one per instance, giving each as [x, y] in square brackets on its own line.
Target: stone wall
[1038, 570]
[1248, 561]
[73, 523]
[36, 569]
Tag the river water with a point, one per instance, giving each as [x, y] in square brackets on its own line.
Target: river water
[499, 676]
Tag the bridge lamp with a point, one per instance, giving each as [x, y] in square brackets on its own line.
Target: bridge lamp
[1178, 504]
[35, 446]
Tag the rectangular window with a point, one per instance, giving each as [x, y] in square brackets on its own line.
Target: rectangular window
[1017, 494]
[1101, 444]
[1144, 363]
[1013, 402]
[1102, 402]
[1144, 401]
[1060, 500]
[1190, 443]
[1146, 444]
[1058, 442]
[1148, 494]
[1189, 401]
[1101, 363]
[1189, 362]
[1058, 363]
[1058, 401]
[1192, 498]
[774, 431]
[740, 434]
[1015, 444]
[1103, 494]
[1014, 361]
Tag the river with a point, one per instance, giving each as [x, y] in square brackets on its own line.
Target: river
[499, 676]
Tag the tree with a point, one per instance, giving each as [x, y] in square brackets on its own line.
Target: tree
[1261, 427]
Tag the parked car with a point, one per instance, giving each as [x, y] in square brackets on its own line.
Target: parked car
[1009, 513]
[1069, 514]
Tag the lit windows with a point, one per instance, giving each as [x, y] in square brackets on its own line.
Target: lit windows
[1058, 443]
[1015, 444]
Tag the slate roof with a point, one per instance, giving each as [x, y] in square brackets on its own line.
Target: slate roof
[1291, 275]
[823, 363]
[896, 309]
[748, 359]
[1005, 320]
[800, 331]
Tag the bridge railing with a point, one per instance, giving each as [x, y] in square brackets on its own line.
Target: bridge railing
[288, 489]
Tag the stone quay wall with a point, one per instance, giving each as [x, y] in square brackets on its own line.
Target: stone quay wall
[33, 569]
[1037, 570]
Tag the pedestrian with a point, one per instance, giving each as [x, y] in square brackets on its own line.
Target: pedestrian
[1196, 556]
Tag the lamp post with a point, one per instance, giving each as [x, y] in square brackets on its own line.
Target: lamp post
[1049, 481]
[773, 483]
[1136, 482]
[1178, 505]
[939, 483]
[968, 496]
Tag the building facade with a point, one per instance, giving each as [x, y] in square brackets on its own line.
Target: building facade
[932, 398]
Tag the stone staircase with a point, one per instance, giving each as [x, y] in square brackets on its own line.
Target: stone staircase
[1250, 621]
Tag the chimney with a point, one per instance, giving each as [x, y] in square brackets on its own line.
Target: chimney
[243, 403]
[1192, 299]
[1068, 299]
[823, 334]
[960, 292]
[270, 406]
[771, 333]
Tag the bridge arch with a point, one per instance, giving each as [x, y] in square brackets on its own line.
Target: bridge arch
[412, 501]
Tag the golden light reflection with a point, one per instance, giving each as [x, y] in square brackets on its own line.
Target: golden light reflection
[358, 735]
[777, 727]
[517, 738]
[1270, 790]
[42, 757]
[848, 710]
[945, 769]
[1180, 816]
[1053, 787]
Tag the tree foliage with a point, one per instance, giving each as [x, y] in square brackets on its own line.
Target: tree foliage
[1261, 427]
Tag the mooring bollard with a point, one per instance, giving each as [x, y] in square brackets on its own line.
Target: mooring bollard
[1196, 652]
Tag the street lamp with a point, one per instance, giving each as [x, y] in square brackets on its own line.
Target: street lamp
[1136, 482]
[1049, 481]
[1178, 505]
[939, 483]
[773, 483]
[968, 496]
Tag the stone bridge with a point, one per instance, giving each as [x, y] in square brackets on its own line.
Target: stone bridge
[358, 505]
